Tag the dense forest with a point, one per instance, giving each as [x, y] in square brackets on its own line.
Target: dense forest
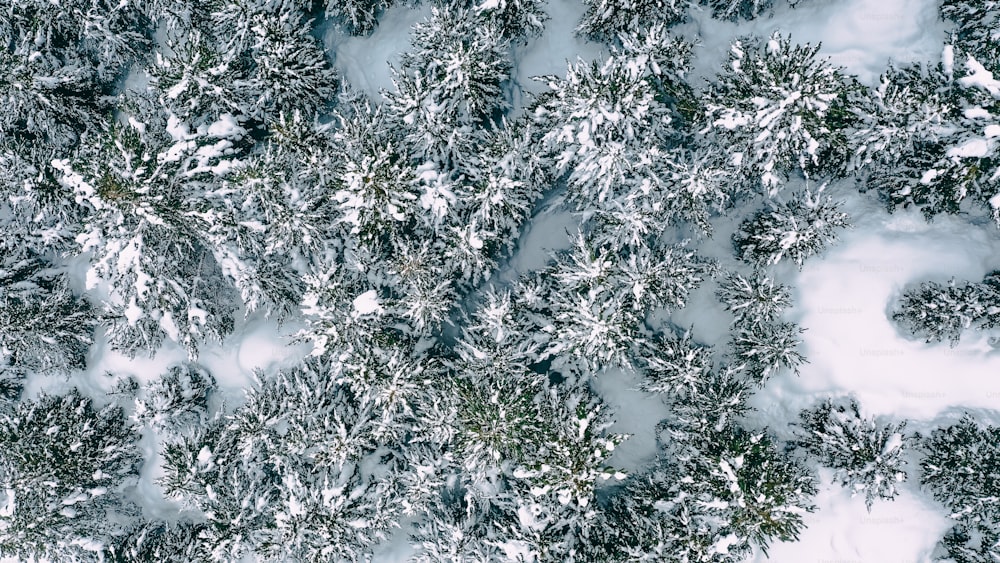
[171, 168]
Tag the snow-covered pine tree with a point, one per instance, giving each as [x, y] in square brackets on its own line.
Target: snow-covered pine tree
[754, 299]
[286, 68]
[44, 327]
[795, 230]
[675, 366]
[44, 99]
[457, 527]
[498, 419]
[957, 466]
[927, 141]
[65, 470]
[518, 20]
[359, 17]
[195, 80]
[605, 20]
[764, 350]
[736, 492]
[154, 540]
[449, 83]
[145, 208]
[867, 456]
[109, 35]
[494, 200]
[553, 490]
[177, 401]
[715, 401]
[598, 298]
[733, 10]
[782, 110]
[37, 214]
[297, 472]
[938, 312]
[975, 25]
[605, 126]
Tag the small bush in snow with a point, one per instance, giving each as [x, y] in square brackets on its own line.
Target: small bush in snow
[867, 456]
[959, 469]
[753, 300]
[177, 400]
[793, 231]
[939, 312]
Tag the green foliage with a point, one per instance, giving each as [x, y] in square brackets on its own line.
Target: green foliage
[177, 401]
[867, 456]
[676, 366]
[714, 504]
[939, 312]
[734, 10]
[753, 300]
[294, 472]
[957, 468]
[606, 20]
[44, 327]
[360, 17]
[766, 349]
[65, 467]
[780, 109]
[795, 230]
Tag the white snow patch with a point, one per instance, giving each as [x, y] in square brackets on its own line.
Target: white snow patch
[367, 304]
[860, 35]
[364, 61]
[842, 529]
[844, 301]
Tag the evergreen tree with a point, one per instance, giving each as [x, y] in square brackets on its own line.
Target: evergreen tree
[605, 20]
[926, 141]
[65, 469]
[734, 10]
[957, 468]
[974, 25]
[605, 124]
[38, 214]
[766, 349]
[553, 489]
[795, 230]
[676, 366]
[44, 99]
[359, 16]
[298, 472]
[44, 328]
[196, 80]
[714, 402]
[753, 300]
[518, 20]
[598, 298]
[177, 401]
[290, 71]
[782, 110]
[456, 528]
[712, 504]
[145, 214]
[867, 456]
[939, 312]
[156, 541]
[450, 82]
